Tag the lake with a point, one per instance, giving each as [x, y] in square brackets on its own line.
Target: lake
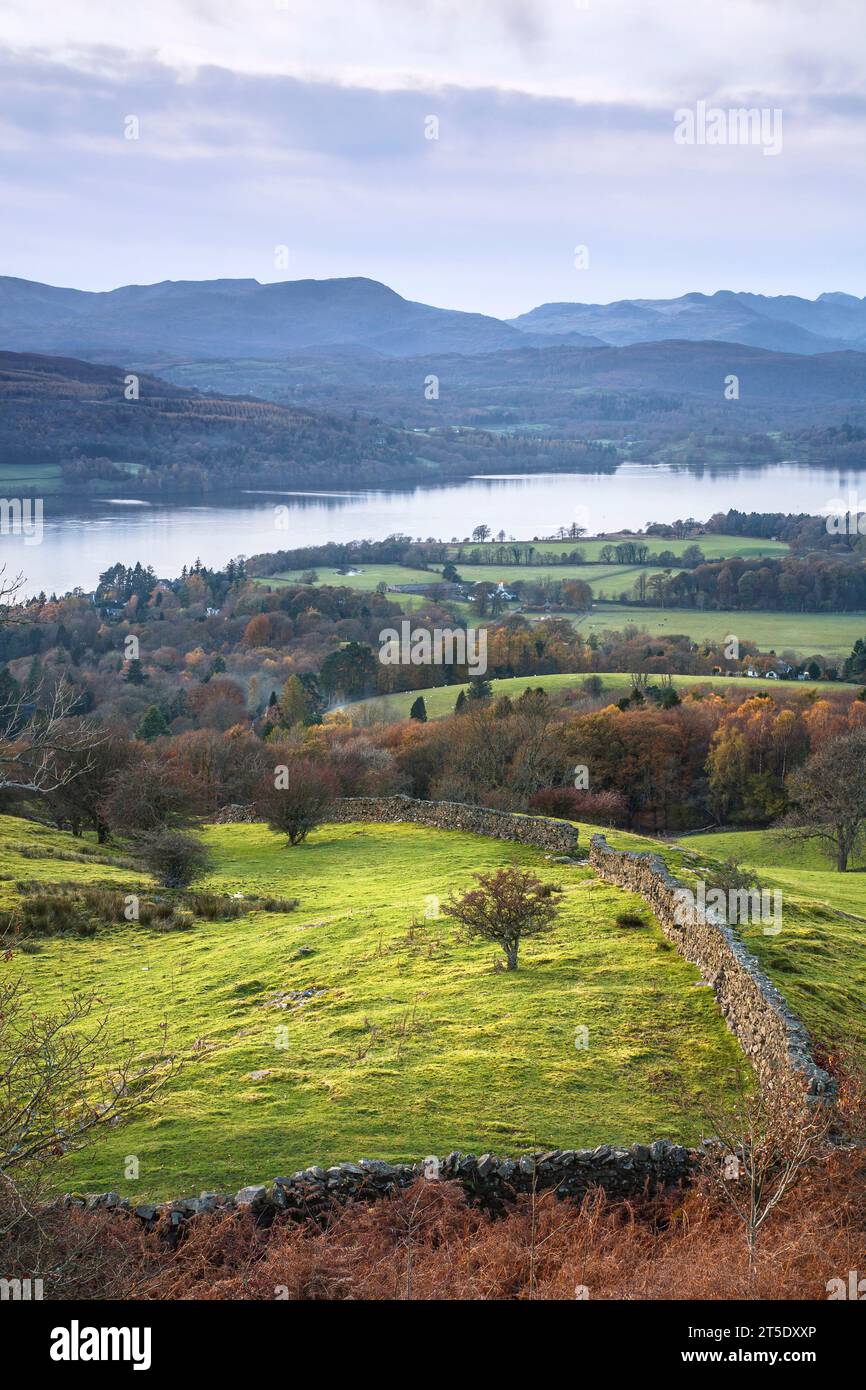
[82, 538]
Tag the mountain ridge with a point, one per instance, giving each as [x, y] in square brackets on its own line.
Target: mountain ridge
[243, 318]
[832, 322]
[246, 318]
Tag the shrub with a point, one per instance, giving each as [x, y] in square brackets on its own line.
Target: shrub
[599, 808]
[630, 919]
[730, 878]
[75, 909]
[175, 857]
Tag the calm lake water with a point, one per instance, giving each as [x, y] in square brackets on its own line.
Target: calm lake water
[82, 539]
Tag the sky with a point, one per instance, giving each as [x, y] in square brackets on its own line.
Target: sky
[286, 139]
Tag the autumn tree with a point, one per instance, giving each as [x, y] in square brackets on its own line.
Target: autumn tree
[508, 905]
[829, 796]
[293, 702]
[296, 797]
[144, 794]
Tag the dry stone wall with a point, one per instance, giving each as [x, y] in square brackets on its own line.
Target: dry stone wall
[556, 836]
[487, 1180]
[755, 1011]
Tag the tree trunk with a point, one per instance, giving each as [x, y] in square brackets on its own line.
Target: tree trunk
[511, 955]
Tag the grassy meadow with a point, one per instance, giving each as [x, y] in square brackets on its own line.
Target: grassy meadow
[831, 635]
[414, 1043]
[439, 700]
[806, 634]
[818, 959]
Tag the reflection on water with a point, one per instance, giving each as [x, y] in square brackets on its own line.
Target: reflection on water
[82, 539]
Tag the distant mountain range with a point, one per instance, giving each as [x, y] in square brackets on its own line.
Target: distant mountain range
[214, 319]
[782, 323]
[242, 318]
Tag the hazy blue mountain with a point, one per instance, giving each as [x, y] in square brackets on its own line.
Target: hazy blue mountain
[239, 318]
[782, 323]
[242, 319]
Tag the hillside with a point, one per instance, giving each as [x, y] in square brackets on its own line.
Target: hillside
[439, 700]
[672, 386]
[60, 412]
[819, 958]
[411, 1043]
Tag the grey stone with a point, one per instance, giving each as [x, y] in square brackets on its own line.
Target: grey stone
[251, 1196]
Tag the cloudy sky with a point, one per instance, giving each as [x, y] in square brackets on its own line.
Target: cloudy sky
[302, 124]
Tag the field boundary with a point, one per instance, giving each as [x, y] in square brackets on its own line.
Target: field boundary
[543, 832]
[770, 1034]
[488, 1180]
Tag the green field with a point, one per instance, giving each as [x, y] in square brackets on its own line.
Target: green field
[414, 1046]
[819, 958]
[365, 578]
[439, 700]
[806, 634]
[714, 547]
[801, 635]
[606, 581]
[24, 480]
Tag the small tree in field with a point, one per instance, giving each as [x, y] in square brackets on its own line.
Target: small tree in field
[296, 798]
[175, 857]
[505, 907]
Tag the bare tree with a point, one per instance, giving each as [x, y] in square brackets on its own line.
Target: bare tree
[42, 744]
[10, 587]
[763, 1143]
[296, 798]
[506, 906]
[829, 797]
[61, 1079]
[37, 731]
